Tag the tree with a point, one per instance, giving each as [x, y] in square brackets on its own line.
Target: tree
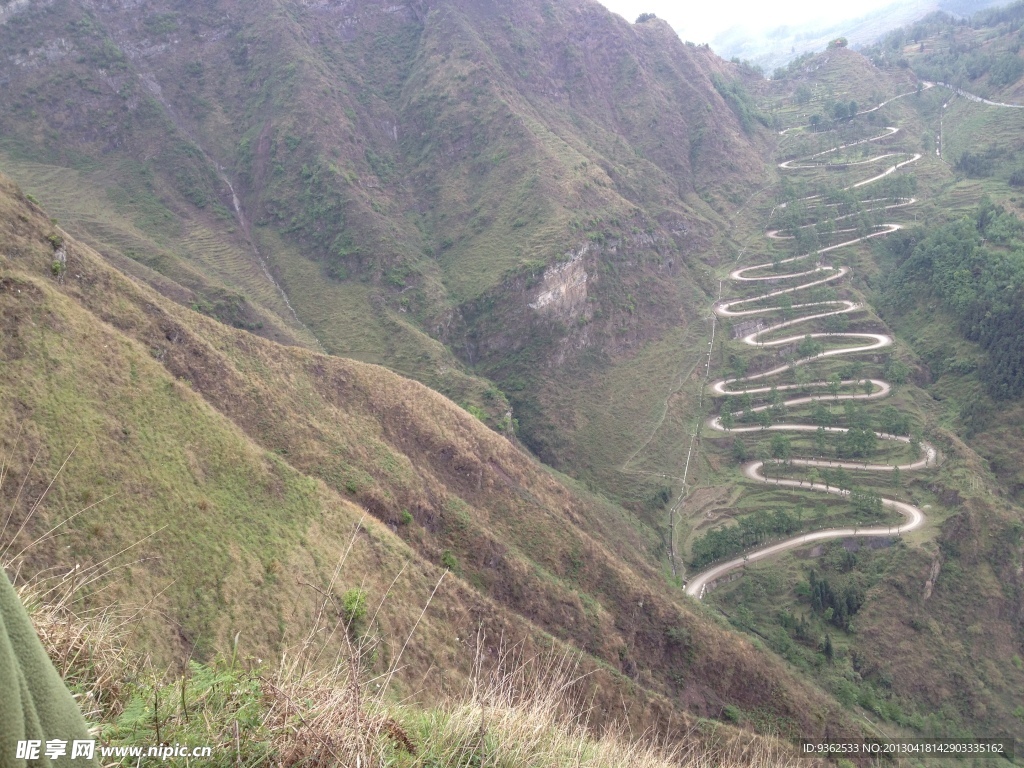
[820, 414]
[808, 347]
[834, 382]
[858, 443]
[865, 504]
[645, 17]
[780, 447]
[786, 305]
[739, 451]
[764, 455]
[897, 372]
[894, 422]
[829, 651]
[842, 479]
[727, 419]
[820, 441]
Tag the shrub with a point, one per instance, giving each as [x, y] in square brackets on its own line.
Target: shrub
[353, 608]
[477, 411]
[975, 165]
[449, 561]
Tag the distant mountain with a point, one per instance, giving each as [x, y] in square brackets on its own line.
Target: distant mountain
[783, 44]
[980, 54]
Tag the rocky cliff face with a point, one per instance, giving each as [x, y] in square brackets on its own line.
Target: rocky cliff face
[563, 289]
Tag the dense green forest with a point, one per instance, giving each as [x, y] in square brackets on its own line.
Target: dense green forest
[975, 266]
[836, 604]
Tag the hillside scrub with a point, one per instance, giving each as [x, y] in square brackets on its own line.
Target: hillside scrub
[976, 266]
[374, 181]
[981, 52]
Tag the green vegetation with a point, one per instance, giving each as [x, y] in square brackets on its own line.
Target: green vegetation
[915, 598]
[353, 609]
[748, 532]
[836, 605]
[976, 266]
[402, 193]
[741, 103]
[254, 713]
[255, 469]
[477, 201]
[979, 53]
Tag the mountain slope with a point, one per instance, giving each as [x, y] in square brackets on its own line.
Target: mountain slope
[234, 467]
[401, 182]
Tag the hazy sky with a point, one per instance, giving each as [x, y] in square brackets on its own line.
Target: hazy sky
[700, 20]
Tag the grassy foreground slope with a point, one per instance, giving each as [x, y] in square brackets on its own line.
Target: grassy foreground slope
[523, 712]
[245, 463]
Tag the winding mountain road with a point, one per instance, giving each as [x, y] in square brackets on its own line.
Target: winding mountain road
[817, 274]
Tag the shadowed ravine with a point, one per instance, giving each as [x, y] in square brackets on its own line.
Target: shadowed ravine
[814, 274]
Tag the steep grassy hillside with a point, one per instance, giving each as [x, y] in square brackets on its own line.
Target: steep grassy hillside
[451, 189]
[235, 469]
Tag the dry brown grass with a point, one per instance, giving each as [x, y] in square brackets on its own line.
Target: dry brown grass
[87, 648]
[310, 710]
[534, 712]
[514, 711]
